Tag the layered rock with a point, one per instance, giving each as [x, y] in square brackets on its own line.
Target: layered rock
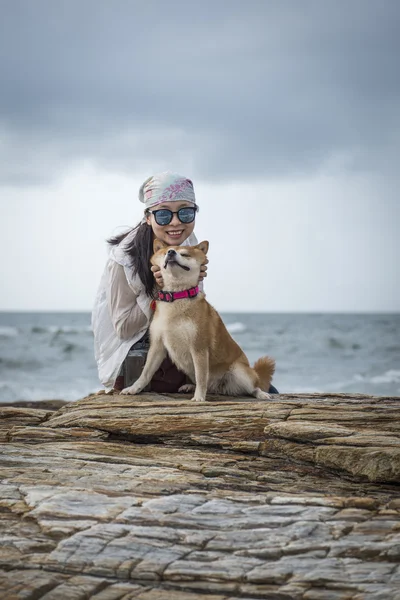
[160, 498]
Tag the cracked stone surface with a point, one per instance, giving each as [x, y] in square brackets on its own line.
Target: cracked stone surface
[160, 498]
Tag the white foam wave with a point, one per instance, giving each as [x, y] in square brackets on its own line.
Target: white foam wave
[391, 376]
[8, 332]
[236, 327]
[12, 393]
[364, 383]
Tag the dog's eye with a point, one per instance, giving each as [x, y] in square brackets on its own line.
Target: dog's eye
[185, 255]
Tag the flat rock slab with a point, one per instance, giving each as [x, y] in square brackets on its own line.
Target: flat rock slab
[160, 498]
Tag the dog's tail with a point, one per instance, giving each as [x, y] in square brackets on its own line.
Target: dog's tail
[265, 368]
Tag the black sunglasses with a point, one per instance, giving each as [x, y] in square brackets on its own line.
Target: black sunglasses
[164, 216]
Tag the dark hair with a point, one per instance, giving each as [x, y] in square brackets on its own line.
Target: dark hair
[140, 250]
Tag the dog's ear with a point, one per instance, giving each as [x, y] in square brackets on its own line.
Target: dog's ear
[158, 244]
[203, 246]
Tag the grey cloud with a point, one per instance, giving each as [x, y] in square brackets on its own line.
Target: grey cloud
[228, 89]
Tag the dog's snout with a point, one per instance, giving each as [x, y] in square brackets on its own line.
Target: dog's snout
[171, 252]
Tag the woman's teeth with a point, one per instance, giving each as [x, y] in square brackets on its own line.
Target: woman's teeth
[175, 233]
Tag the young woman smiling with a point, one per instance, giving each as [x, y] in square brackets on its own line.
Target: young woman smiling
[123, 305]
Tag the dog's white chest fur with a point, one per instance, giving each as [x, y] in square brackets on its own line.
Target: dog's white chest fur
[178, 336]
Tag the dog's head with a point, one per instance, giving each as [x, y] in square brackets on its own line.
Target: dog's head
[180, 265]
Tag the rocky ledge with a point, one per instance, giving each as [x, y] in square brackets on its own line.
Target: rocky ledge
[159, 498]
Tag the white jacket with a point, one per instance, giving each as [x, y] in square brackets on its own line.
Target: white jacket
[121, 313]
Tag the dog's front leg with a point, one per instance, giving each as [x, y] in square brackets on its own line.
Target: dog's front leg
[156, 355]
[200, 362]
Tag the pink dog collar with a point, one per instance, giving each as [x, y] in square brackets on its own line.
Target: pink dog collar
[171, 296]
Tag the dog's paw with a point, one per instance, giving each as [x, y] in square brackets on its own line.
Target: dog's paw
[187, 388]
[133, 389]
[260, 395]
[198, 399]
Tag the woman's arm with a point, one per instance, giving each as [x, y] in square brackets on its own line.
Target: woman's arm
[126, 315]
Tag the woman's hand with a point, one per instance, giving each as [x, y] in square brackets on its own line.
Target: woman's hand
[157, 275]
[203, 271]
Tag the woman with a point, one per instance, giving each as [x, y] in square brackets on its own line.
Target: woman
[124, 302]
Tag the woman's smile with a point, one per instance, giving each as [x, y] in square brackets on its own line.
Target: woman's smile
[175, 233]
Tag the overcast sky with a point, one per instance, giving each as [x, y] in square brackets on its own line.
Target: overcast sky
[285, 113]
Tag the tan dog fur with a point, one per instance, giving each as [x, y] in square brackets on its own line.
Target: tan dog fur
[193, 334]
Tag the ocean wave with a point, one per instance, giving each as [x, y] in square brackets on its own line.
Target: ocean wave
[8, 332]
[391, 376]
[10, 392]
[11, 363]
[236, 327]
[394, 349]
[335, 343]
[70, 348]
[338, 344]
[57, 330]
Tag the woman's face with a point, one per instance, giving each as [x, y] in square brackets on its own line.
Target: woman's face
[176, 232]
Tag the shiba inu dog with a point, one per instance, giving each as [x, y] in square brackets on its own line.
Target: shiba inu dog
[191, 331]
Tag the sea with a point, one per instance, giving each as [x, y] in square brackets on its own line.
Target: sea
[49, 356]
